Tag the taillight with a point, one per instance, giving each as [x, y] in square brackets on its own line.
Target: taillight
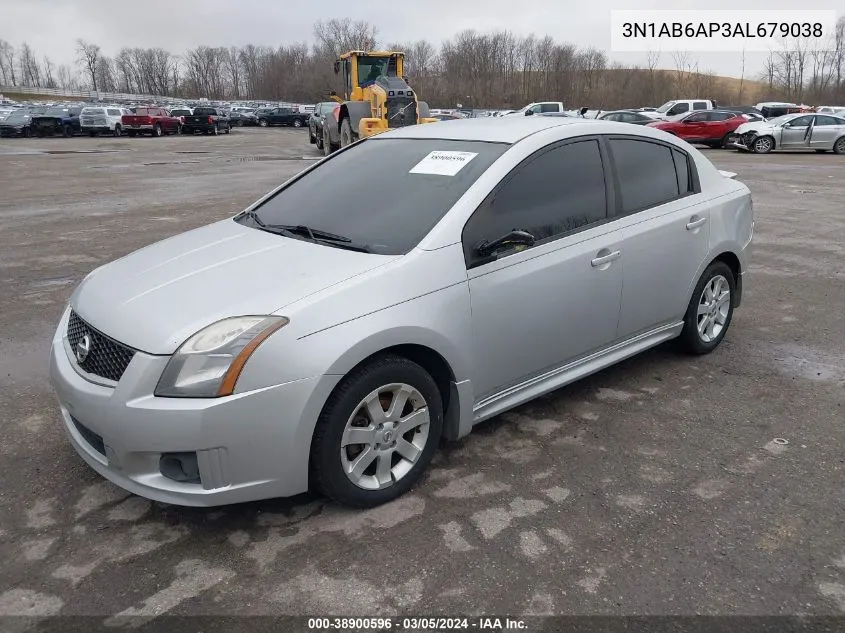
[336, 113]
[209, 120]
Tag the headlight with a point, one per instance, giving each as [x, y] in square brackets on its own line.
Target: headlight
[208, 364]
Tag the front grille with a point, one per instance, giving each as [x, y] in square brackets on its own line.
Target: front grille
[747, 138]
[106, 357]
[401, 111]
[94, 440]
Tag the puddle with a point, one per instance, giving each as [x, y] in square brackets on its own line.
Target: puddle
[81, 151]
[810, 363]
[251, 159]
[191, 152]
[172, 162]
[51, 283]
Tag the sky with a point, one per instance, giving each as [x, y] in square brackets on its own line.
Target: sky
[52, 27]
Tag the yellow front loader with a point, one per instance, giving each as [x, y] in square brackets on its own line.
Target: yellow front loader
[376, 97]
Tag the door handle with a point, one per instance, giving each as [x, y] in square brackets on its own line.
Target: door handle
[606, 259]
[694, 224]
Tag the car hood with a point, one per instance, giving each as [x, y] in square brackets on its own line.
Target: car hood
[754, 126]
[155, 298]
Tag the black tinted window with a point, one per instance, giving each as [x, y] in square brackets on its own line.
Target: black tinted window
[696, 118]
[682, 170]
[828, 120]
[801, 121]
[368, 193]
[699, 105]
[558, 191]
[681, 107]
[205, 111]
[646, 172]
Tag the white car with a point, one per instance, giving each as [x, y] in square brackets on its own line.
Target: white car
[98, 120]
[821, 132]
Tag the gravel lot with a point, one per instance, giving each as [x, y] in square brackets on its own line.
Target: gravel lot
[654, 487]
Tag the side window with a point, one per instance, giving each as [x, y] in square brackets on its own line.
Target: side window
[699, 105]
[828, 120]
[548, 107]
[718, 116]
[696, 118]
[646, 172]
[114, 112]
[682, 171]
[678, 108]
[801, 121]
[556, 192]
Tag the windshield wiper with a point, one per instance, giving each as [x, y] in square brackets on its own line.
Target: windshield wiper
[314, 234]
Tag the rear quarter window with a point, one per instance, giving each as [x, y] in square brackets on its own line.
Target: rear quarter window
[647, 173]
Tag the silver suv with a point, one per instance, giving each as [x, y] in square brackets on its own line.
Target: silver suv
[402, 290]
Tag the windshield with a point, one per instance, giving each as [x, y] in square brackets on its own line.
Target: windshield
[369, 194]
[17, 116]
[369, 68]
[782, 119]
[92, 110]
[665, 107]
[57, 112]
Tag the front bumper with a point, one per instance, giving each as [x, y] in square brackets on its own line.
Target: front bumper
[248, 446]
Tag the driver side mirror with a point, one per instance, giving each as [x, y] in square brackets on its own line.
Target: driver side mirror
[514, 238]
[529, 112]
[786, 125]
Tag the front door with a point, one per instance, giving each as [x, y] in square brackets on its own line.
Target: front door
[666, 233]
[535, 308]
[796, 133]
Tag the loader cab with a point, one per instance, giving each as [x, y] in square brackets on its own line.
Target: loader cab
[360, 70]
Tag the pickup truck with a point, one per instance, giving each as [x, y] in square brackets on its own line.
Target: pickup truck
[207, 121]
[282, 116]
[539, 107]
[679, 106]
[156, 121]
[58, 119]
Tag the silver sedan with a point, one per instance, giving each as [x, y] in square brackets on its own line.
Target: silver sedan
[400, 291]
[821, 132]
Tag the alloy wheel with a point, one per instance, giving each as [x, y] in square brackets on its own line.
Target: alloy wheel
[714, 306]
[385, 436]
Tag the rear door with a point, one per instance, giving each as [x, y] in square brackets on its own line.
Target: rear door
[665, 228]
[825, 131]
[796, 133]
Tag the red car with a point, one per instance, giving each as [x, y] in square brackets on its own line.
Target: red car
[714, 128]
[155, 121]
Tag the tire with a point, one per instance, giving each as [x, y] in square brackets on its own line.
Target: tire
[712, 313]
[312, 138]
[393, 460]
[132, 133]
[762, 145]
[118, 129]
[318, 141]
[727, 140]
[262, 122]
[228, 129]
[327, 142]
[178, 130]
[346, 135]
[67, 131]
[297, 123]
[157, 131]
[27, 132]
[839, 145]
[214, 130]
[92, 134]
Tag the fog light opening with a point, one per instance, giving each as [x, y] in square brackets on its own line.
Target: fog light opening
[181, 467]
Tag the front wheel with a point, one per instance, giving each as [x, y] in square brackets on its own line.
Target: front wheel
[297, 123]
[729, 139]
[228, 128]
[327, 141]
[67, 131]
[762, 145]
[377, 433]
[710, 310]
[262, 122]
[346, 135]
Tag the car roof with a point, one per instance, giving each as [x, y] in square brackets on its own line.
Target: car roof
[493, 129]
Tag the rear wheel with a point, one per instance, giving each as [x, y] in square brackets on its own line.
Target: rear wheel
[67, 131]
[839, 146]
[157, 131]
[214, 130]
[297, 123]
[27, 132]
[346, 135]
[262, 122]
[228, 128]
[377, 433]
[118, 129]
[762, 145]
[710, 310]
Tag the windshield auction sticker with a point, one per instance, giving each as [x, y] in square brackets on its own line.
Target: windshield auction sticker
[443, 163]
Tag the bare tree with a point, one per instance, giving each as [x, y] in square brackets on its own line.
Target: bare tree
[48, 73]
[7, 63]
[30, 69]
[88, 56]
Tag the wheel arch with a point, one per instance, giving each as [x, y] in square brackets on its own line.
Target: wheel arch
[732, 260]
[354, 111]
